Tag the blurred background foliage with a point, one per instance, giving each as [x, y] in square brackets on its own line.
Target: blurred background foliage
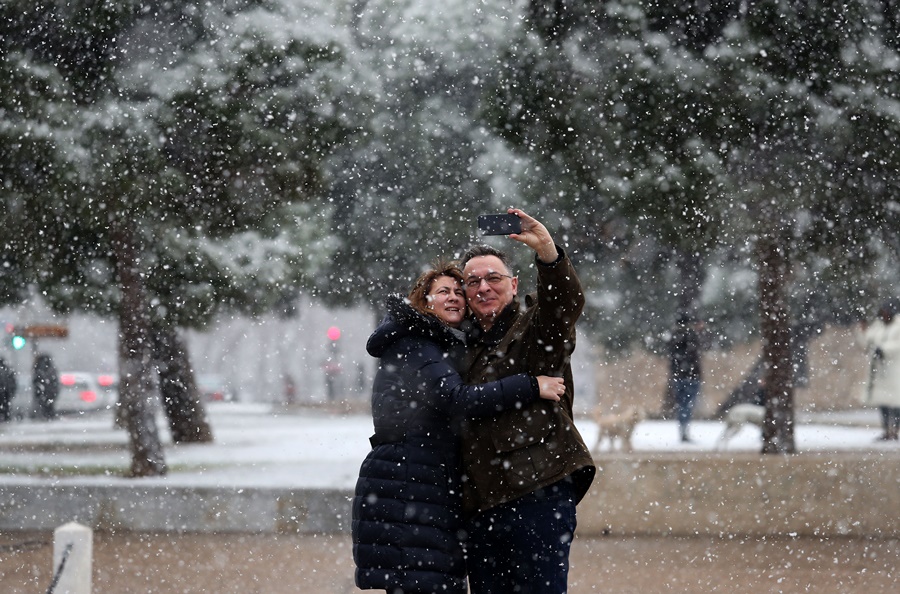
[266, 149]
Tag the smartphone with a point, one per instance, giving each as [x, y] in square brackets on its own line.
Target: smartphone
[499, 224]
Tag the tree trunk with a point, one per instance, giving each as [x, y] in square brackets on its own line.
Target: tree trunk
[134, 356]
[177, 388]
[778, 428]
[691, 275]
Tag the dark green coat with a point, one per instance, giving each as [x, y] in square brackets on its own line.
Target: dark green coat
[515, 452]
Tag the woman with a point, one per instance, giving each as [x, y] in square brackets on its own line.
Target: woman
[883, 389]
[407, 508]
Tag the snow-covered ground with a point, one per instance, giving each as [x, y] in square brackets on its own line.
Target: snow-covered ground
[257, 446]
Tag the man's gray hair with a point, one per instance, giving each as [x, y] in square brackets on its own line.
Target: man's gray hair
[484, 250]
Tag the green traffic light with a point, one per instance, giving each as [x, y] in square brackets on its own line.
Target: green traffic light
[18, 342]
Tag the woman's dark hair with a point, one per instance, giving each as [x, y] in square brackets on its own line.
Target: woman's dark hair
[418, 296]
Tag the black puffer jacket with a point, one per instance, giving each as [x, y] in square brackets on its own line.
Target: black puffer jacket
[407, 508]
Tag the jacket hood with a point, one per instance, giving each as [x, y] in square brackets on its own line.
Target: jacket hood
[402, 321]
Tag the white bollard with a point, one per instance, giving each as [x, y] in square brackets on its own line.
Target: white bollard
[73, 552]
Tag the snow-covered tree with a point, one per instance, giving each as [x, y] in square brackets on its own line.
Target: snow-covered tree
[196, 129]
[33, 103]
[811, 119]
[410, 189]
[764, 131]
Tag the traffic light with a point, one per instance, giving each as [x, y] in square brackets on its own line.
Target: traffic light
[18, 337]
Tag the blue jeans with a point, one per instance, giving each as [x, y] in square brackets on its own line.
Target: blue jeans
[522, 546]
[686, 392]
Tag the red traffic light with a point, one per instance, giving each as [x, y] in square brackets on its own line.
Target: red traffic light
[334, 333]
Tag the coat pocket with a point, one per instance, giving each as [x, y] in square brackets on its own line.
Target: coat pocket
[522, 428]
[526, 446]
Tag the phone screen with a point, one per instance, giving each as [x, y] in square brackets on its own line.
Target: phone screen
[499, 224]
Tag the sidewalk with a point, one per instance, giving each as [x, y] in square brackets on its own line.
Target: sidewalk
[289, 564]
[263, 509]
[279, 471]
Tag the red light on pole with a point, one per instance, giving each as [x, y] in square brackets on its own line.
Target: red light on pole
[334, 333]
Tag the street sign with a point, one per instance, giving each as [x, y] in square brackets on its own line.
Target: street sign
[46, 331]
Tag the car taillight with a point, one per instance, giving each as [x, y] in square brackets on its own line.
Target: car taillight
[89, 396]
[105, 380]
[67, 379]
[217, 396]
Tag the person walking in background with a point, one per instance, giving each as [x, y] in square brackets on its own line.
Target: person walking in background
[882, 339]
[407, 509]
[7, 390]
[684, 369]
[525, 469]
[45, 381]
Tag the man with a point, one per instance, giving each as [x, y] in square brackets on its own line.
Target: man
[7, 390]
[525, 469]
[684, 368]
[45, 385]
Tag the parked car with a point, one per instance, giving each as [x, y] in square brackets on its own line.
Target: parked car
[80, 392]
[215, 388]
[109, 385]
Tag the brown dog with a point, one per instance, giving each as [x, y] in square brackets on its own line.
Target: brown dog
[618, 426]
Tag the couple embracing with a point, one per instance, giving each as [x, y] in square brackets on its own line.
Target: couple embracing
[476, 465]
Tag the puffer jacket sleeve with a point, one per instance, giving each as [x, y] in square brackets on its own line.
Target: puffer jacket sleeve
[437, 377]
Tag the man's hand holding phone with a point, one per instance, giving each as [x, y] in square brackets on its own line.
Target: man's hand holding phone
[521, 227]
[535, 235]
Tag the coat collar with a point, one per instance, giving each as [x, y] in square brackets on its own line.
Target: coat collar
[498, 330]
[402, 320]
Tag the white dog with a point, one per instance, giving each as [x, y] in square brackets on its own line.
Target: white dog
[617, 427]
[738, 416]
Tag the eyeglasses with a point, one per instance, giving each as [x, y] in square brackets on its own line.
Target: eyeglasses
[493, 279]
